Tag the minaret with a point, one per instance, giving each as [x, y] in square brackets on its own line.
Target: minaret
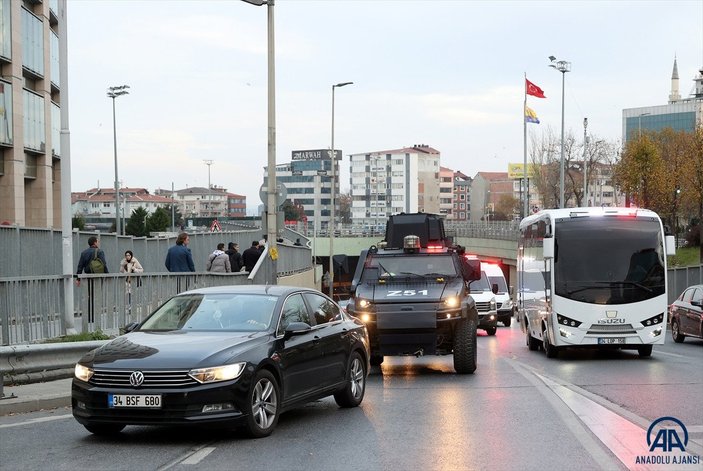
[675, 96]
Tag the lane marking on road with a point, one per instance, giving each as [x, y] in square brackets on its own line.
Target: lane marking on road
[659, 352]
[199, 455]
[37, 420]
[590, 444]
[622, 431]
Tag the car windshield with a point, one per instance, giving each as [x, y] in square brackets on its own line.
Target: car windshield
[480, 285]
[500, 281]
[410, 265]
[233, 312]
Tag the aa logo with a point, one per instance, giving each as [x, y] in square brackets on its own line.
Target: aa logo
[668, 437]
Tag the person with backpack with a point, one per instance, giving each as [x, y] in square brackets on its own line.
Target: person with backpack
[92, 260]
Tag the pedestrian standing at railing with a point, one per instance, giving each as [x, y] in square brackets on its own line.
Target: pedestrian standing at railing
[180, 259]
[92, 260]
[218, 261]
[130, 264]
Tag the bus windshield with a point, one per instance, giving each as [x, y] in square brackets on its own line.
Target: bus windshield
[609, 260]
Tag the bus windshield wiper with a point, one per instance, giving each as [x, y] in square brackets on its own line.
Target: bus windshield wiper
[437, 275]
[611, 283]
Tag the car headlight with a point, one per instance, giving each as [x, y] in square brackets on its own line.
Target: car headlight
[83, 372]
[363, 303]
[452, 301]
[492, 306]
[507, 304]
[217, 373]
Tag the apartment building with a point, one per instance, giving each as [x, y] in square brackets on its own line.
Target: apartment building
[30, 113]
[100, 202]
[461, 200]
[393, 181]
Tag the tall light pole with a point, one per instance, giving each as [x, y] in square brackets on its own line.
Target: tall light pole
[271, 189]
[563, 67]
[332, 202]
[114, 92]
[585, 162]
[209, 187]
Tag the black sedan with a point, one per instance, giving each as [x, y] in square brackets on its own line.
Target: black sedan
[686, 314]
[236, 355]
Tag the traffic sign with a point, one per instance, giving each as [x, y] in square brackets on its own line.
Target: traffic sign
[281, 194]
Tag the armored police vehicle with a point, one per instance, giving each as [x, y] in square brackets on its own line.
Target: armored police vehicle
[411, 292]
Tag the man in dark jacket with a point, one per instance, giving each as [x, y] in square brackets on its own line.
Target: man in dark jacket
[84, 262]
[235, 258]
[179, 257]
[251, 256]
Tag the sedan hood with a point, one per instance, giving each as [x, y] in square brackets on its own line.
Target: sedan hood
[175, 349]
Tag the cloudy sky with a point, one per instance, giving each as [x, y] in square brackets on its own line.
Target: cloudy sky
[443, 73]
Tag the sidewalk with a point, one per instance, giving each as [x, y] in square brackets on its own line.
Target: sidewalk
[36, 396]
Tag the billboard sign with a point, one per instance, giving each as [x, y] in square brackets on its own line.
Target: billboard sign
[516, 171]
[315, 154]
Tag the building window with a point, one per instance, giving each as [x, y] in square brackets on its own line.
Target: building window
[54, 61]
[5, 39]
[34, 135]
[32, 43]
[55, 130]
[5, 112]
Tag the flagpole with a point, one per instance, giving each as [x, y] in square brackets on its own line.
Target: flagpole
[523, 188]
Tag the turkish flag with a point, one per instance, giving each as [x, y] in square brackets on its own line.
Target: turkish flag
[533, 89]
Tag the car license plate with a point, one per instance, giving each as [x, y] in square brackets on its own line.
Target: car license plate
[611, 340]
[152, 401]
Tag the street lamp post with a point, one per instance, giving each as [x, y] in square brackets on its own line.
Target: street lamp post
[209, 186]
[332, 202]
[271, 179]
[114, 92]
[585, 162]
[563, 67]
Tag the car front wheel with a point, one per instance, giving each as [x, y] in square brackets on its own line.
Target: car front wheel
[263, 401]
[355, 384]
[676, 332]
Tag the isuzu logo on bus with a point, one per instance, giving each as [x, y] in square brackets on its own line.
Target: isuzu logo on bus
[611, 317]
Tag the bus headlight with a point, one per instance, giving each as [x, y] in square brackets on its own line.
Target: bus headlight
[658, 319]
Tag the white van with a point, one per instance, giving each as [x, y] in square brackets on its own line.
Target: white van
[504, 300]
[485, 301]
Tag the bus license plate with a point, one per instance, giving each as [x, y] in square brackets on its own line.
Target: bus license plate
[611, 340]
[151, 401]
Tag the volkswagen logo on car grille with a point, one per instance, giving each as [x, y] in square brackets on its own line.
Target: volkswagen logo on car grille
[136, 378]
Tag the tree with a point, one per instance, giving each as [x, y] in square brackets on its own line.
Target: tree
[159, 221]
[692, 181]
[640, 171]
[506, 207]
[292, 212]
[345, 201]
[136, 226]
[178, 216]
[78, 222]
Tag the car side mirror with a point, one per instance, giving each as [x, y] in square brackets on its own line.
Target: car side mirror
[130, 327]
[474, 266]
[494, 288]
[296, 328]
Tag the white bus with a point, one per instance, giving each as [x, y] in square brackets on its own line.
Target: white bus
[593, 277]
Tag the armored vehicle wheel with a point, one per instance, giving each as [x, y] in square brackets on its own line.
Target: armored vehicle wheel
[491, 330]
[465, 347]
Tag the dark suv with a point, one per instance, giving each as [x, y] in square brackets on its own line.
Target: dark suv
[414, 301]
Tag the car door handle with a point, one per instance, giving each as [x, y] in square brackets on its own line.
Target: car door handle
[315, 339]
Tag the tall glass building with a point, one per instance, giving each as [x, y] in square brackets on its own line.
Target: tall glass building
[680, 114]
[30, 122]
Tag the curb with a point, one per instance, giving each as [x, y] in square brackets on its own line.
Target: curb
[18, 405]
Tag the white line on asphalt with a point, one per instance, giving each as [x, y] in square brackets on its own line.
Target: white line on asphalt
[37, 420]
[198, 456]
[659, 352]
[589, 443]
